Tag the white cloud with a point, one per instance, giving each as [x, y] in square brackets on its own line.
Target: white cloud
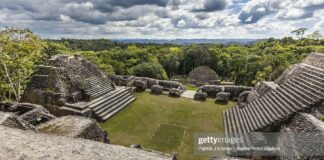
[163, 18]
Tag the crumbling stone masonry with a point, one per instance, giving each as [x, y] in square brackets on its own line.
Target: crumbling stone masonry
[71, 85]
[222, 97]
[36, 118]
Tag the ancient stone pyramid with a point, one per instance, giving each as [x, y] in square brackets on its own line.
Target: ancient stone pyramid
[71, 85]
[298, 90]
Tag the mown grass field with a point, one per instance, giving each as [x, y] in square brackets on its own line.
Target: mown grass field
[165, 124]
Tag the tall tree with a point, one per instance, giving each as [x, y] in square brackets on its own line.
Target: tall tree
[21, 52]
[299, 32]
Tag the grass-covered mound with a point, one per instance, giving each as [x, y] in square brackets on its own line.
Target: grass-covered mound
[165, 124]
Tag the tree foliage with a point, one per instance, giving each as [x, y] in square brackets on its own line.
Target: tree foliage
[249, 64]
[20, 52]
[148, 69]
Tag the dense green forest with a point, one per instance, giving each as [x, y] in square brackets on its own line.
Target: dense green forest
[21, 51]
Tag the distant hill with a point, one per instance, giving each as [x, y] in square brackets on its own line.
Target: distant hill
[188, 41]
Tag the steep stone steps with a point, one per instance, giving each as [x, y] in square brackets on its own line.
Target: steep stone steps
[275, 111]
[99, 101]
[95, 87]
[296, 104]
[311, 82]
[258, 115]
[121, 105]
[265, 110]
[308, 91]
[296, 94]
[110, 103]
[249, 124]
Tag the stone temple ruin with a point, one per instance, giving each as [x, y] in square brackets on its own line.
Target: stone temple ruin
[71, 85]
[203, 75]
[293, 104]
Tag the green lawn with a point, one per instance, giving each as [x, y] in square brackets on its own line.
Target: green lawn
[165, 124]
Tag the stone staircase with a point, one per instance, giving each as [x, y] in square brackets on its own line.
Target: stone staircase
[111, 103]
[102, 100]
[106, 105]
[94, 87]
[298, 93]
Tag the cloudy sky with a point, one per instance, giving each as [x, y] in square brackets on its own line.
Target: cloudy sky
[163, 19]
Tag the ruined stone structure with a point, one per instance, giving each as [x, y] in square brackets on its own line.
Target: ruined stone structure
[291, 103]
[203, 75]
[36, 118]
[149, 81]
[260, 89]
[212, 90]
[74, 127]
[174, 88]
[222, 97]
[156, 89]
[140, 85]
[200, 96]
[123, 80]
[71, 85]
[23, 115]
[175, 92]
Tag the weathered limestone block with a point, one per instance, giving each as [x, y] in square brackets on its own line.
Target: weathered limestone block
[174, 92]
[156, 89]
[261, 89]
[150, 81]
[121, 80]
[210, 90]
[168, 85]
[235, 90]
[140, 85]
[14, 121]
[74, 127]
[222, 97]
[200, 96]
[242, 99]
[252, 96]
